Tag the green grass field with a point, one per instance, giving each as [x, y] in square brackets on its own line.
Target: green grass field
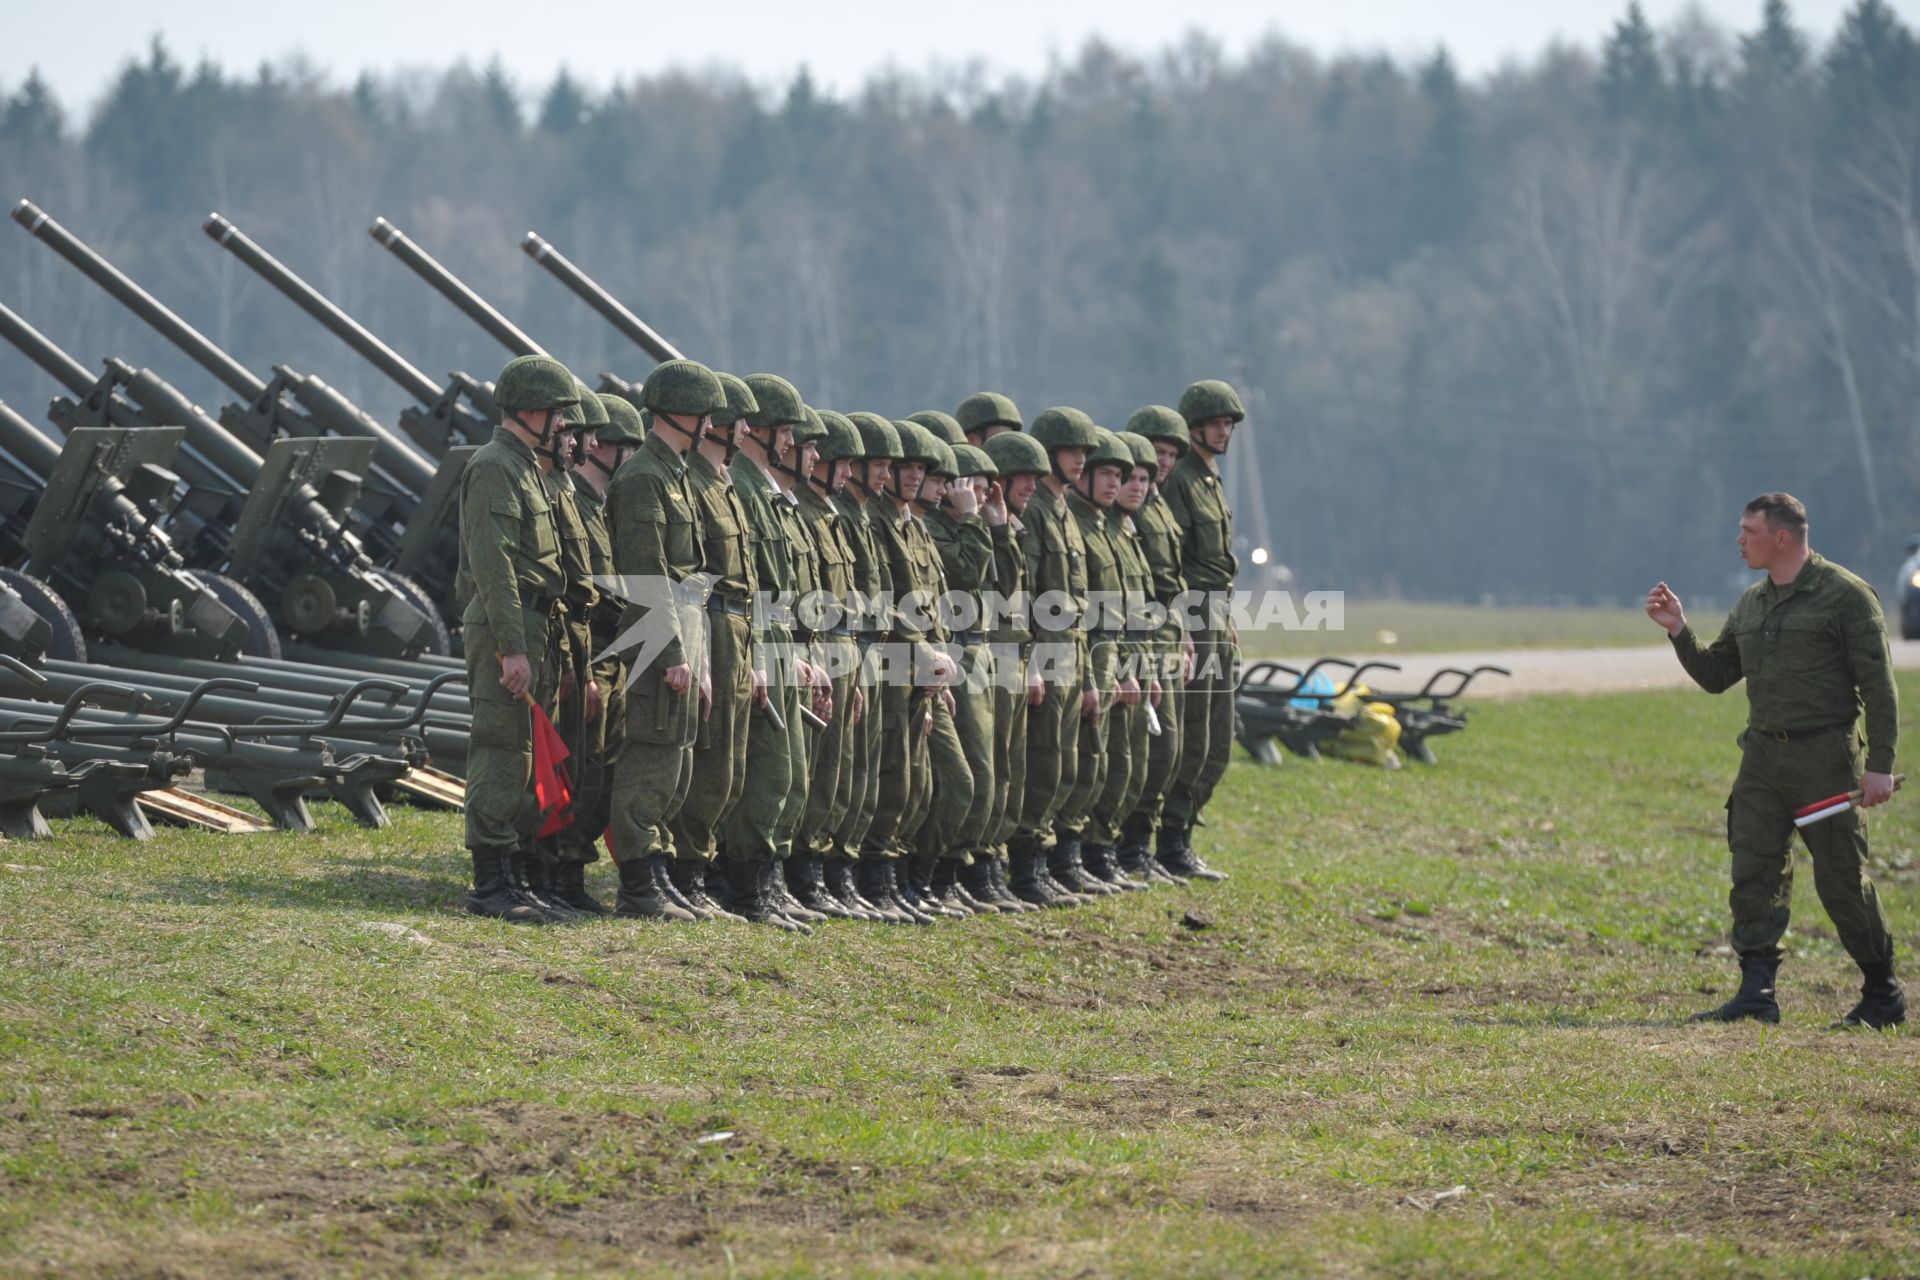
[1384, 626]
[217, 1058]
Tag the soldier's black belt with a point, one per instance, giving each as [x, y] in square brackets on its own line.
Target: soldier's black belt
[843, 629]
[969, 637]
[721, 604]
[550, 606]
[1795, 735]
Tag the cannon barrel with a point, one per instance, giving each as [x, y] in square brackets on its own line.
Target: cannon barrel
[40, 349]
[350, 331]
[314, 303]
[31, 447]
[228, 462]
[328, 409]
[503, 330]
[137, 300]
[615, 312]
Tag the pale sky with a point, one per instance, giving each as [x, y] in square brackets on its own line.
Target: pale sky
[80, 45]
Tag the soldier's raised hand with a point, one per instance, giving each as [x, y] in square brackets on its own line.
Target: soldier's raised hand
[1664, 607]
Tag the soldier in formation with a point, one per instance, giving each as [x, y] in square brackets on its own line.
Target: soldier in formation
[811, 665]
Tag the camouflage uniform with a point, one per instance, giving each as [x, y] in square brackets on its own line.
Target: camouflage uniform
[1814, 656]
[655, 525]
[510, 584]
[1198, 504]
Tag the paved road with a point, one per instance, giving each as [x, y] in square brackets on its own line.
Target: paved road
[1563, 670]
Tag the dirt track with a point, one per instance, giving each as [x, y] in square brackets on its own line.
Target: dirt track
[1562, 670]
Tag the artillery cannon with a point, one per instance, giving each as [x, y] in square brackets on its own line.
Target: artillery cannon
[313, 565]
[83, 532]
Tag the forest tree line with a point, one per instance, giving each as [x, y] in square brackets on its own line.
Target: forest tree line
[1528, 337]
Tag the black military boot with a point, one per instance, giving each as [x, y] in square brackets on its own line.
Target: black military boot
[1027, 880]
[807, 879]
[999, 873]
[492, 896]
[1755, 998]
[784, 899]
[870, 884]
[1882, 1003]
[1063, 863]
[975, 880]
[570, 886]
[1177, 856]
[640, 897]
[920, 873]
[1134, 861]
[1104, 862]
[752, 896]
[841, 879]
[952, 894]
[695, 877]
[532, 880]
[896, 876]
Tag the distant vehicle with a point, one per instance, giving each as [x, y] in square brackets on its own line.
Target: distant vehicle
[1910, 591]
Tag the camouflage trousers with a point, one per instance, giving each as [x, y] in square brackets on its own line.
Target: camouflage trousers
[1163, 749]
[776, 758]
[1009, 695]
[864, 754]
[900, 796]
[830, 790]
[720, 746]
[1206, 736]
[501, 811]
[1775, 779]
[654, 768]
[1126, 772]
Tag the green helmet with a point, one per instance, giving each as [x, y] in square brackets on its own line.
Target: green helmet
[1142, 450]
[1210, 399]
[592, 412]
[1064, 428]
[878, 439]
[985, 409]
[779, 401]
[1017, 454]
[623, 423]
[843, 443]
[810, 427]
[1109, 452]
[740, 401]
[944, 463]
[684, 387]
[941, 424]
[535, 382]
[973, 461]
[917, 444]
[1157, 422]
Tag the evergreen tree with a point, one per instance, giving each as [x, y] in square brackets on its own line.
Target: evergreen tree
[1631, 85]
[32, 116]
[1871, 64]
[1778, 50]
[565, 107]
[499, 98]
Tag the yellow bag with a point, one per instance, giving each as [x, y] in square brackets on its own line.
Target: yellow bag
[1374, 735]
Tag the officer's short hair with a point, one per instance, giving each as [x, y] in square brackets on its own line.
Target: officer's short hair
[1782, 511]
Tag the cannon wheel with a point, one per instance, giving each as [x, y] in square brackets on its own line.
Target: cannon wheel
[69, 641]
[413, 594]
[263, 640]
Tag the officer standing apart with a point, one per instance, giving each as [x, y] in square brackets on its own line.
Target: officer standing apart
[1811, 643]
[511, 584]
